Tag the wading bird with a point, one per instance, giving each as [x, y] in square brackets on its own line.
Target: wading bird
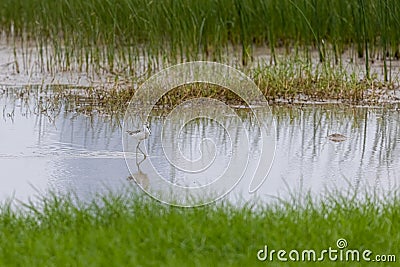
[140, 135]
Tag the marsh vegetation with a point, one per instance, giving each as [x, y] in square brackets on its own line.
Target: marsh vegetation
[289, 47]
[69, 68]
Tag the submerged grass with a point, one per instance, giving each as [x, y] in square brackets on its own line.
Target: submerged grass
[135, 230]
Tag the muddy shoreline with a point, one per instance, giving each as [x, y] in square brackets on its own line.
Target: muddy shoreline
[22, 67]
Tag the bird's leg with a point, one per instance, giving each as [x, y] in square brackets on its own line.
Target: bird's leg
[138, 147]
[142, 153]
[140, 162]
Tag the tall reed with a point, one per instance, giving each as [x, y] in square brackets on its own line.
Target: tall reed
[118, 34]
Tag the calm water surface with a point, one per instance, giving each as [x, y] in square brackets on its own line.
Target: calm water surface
[53, 149]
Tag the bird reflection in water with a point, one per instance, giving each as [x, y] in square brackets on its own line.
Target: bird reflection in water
[139, 177]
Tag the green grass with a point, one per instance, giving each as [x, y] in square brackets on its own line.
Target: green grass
[309, 44]
[118, 34]
[132, 230]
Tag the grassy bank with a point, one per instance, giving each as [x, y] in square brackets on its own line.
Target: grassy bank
[134, 230]
[287, 82]
[118, 35]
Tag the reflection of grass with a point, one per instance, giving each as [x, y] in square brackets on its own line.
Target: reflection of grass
[138, 231]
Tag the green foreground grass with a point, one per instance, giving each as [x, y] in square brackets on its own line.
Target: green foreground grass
[132, 230]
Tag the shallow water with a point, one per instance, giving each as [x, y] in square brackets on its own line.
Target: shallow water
[70, 151]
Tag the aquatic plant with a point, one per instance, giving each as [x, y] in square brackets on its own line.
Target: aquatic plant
[123, 36]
